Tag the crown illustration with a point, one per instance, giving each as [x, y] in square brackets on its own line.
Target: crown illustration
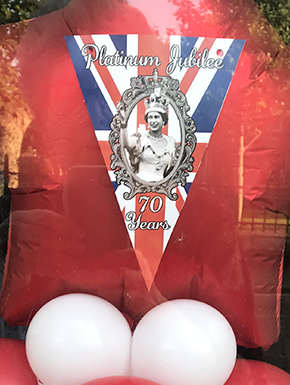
[156, 102]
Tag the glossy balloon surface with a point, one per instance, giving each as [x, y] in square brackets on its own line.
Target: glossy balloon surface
[257, 373]
[183, 342]
[77, 338]
[121, 380]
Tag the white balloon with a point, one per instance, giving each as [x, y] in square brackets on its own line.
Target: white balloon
[183, 342]
[77, 338]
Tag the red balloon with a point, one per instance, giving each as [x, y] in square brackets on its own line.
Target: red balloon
[252, 372]
[121, 380]
[14, 367]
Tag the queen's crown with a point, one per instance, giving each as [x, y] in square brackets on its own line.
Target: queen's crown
[156, 102]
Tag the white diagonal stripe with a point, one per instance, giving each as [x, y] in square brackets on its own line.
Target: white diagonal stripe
[204, 76]
[98, 79]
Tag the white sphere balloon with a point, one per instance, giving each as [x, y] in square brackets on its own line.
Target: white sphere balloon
[184, 342]
[76, 338]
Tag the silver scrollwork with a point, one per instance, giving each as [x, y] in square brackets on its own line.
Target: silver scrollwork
[142, 87]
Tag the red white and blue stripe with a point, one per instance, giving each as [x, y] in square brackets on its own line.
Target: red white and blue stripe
[205, 90]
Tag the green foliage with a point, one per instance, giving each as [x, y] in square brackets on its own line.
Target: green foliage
[12, 11]
[278, 14]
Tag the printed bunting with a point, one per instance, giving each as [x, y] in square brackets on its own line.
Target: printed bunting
[178, 84]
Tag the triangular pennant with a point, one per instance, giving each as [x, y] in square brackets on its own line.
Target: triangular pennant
[153, 103]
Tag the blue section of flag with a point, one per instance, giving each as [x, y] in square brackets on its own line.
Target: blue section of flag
[115, 185]
[187, 187]
[99, 111]
[211, 103]
[187, 44]
[120, 42]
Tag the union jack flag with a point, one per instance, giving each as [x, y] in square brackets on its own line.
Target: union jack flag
[205, 89]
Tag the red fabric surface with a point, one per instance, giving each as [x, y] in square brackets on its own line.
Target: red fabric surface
[121, 380]
[14, 365]
[67, 233]
[257, 373]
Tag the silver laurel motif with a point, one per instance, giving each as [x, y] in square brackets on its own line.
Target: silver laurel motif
[142, 87]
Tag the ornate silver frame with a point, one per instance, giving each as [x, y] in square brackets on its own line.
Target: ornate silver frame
[142, 87]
